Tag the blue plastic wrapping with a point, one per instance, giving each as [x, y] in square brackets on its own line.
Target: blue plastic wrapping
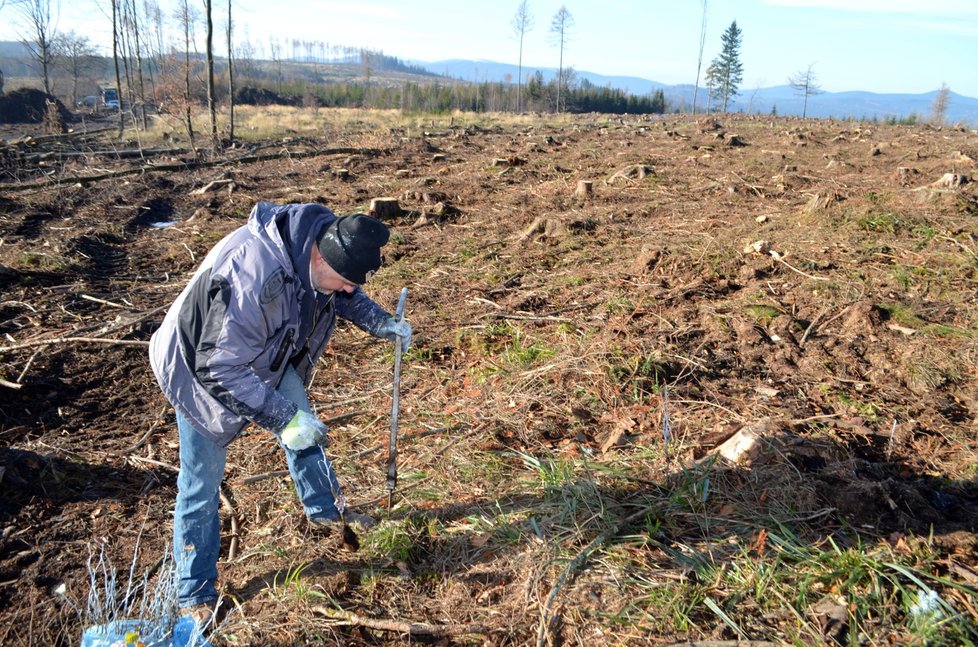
[185, 633]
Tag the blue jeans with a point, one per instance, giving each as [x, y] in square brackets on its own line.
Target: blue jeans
[196, 524]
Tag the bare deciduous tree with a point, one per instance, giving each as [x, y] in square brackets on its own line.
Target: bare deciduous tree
[276, 53]
[230, 78]
[211, 99]
[522, 22]
[79, 55]
[39, 23]
[154, 44]
[938, 109]
[136, 87]
[186, 16]
[805, 84]
[115, 62]
[699, 60]
[559, 28]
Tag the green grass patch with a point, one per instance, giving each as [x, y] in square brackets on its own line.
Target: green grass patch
[639, 376]
[293, 583]
[764, 314]
[905, 316]
[882, 222]
[42, 261]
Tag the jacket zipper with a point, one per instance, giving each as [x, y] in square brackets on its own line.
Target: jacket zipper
[282, 350]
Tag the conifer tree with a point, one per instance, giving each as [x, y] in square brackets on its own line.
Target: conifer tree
[728, 71]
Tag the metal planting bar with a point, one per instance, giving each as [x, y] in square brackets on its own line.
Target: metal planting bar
[395, 405]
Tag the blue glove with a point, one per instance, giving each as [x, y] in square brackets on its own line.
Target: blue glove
[303, 432]
[392, 329]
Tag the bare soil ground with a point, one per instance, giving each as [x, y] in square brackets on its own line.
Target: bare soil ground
[805, 279]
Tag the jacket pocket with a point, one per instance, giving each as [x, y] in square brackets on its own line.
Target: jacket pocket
[283, 350]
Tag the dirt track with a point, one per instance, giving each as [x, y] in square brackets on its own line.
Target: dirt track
[546, 323]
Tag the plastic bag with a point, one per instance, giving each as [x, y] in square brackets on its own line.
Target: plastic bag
[139, 633]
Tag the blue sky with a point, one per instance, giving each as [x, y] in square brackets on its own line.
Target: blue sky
[877, 45]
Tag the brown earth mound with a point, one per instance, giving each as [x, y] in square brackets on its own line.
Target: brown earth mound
[29, 106]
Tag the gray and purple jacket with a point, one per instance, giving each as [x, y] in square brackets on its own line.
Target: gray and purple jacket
[248, 312]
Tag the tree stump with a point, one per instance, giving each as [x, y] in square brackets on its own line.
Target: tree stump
[385, 208]
[53, 123]
[905, 175]
[585, 189]
[733, 140]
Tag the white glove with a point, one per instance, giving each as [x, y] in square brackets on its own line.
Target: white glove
[392, 329]
[303, 431]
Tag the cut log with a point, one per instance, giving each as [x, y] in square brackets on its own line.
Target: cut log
[214, 186]
[951, 181]
[184, 166]
[745, 445]
[635, 171]
[817, 202]
[509, 161]
[540, 228]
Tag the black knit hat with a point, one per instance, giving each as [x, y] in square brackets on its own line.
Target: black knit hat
[351, 245]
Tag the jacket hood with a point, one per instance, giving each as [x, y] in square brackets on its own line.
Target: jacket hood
[292, 230]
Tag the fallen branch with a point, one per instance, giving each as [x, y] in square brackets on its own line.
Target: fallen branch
[74, 340]
[89, 297]
[187, 166]
[27, 366]
[811, 327]
[10, 385]
[117, 154]
[408, 628]
[152, 428]
[530, 318]
[150, 461]
[233, 548]
[131, 322]
[776, 256]
[32, 140]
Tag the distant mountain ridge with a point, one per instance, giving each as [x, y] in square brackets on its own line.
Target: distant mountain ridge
[783, 98]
